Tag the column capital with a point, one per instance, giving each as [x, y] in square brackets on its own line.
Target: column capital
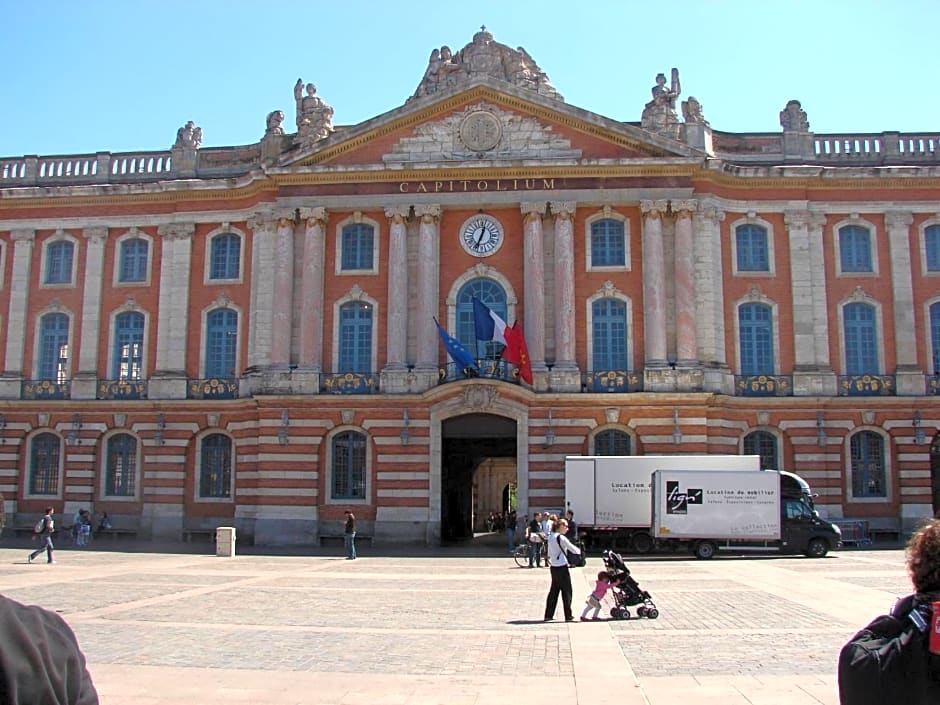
[684, 208]
[176, 231]
[397, 214]
[312, 216]
[96, 234]
[285, 217]
[428, 212]
[899, 219]
[23, 235]
[803, 219]
[563, 210]
[654, 209]
[711, 213]
[529, 207]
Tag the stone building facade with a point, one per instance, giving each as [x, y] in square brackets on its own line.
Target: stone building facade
[246, 335]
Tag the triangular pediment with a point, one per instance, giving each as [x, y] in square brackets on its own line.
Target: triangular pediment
[486, 121]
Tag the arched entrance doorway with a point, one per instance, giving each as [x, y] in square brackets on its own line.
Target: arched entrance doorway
[478, 472]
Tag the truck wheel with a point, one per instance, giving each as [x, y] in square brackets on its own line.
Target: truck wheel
[817, 548]
[642, 543]
[705, 550]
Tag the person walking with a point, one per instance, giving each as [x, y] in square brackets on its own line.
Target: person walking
[349, 536]
[533, 535]
[45, 535]
[561, 578]
[601, 587]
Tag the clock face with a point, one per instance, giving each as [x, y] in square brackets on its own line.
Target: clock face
[481, 235]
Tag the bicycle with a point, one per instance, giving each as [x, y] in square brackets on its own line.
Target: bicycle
[521, 555]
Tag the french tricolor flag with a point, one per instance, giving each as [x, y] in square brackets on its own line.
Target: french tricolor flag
[489, 326]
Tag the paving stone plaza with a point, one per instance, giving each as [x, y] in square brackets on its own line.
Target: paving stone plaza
[457, 626]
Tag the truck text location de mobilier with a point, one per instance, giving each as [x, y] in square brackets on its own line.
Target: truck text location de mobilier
[616, 501]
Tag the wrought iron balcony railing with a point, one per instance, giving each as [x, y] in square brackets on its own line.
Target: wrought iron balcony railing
[122, 389]
[486, 369]
[763, 385]
[45, 389]
[213, 388]
[866, 385]
[612, 381]
[349, 383]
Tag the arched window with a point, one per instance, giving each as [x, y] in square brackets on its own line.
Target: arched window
[349, 466]
[44, 464]
[609, 331]
[493, 296]
[868, 465]
[134, 252]
[221, 338]
[357, 246]
[763, 444]
[861, 346]
[225, 257]
[612, 442]
[54, 347]
[59, 262]
[756, 328]
[215, 470]
[751, 247]
[932, 246]
[355, 337]
[935, 337]
[607, 243]
[128, 346]
[855, 249]
[120, 474]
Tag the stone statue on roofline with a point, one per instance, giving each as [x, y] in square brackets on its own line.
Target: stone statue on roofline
[659, 115]
[692, 112]
[483, 58]
[793, 118]
[273, 123]
[188, 136]
[314, 116]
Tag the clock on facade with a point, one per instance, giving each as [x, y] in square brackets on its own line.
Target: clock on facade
[481, 235]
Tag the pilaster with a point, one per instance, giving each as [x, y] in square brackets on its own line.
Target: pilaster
[14, 364]
[394, 378]
[169, 376]
[654, 283]
[686, 342]
[909, 378]
[565, 376]
[428, 292]
[710, 299]
[85, 380]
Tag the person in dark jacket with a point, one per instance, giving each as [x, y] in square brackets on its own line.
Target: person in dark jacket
[349, 535]
[40, 660]
[48, 528]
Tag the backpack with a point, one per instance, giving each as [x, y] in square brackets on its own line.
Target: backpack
[40, 526]
[889, 662]
[575, 560]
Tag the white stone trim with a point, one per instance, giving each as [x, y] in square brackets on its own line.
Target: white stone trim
[608, 213]
[224, 229]
[607, 291]
[37, 339]
[132, 234]
[59, 236]
[872, 242]
[756, 297]
[356, 219]
[221, 302]
[102, 444]
[861, 297]
[129, 307]
[751, 219]
[353, 295]
[480, 271]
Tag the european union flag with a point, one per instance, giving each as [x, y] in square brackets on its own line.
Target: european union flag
[457, 352]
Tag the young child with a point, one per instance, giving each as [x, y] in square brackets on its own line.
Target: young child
[601, 587]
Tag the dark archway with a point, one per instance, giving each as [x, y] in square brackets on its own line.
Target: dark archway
[935, 474]
[465, 442]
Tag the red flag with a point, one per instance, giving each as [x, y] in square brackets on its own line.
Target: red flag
[517, 353]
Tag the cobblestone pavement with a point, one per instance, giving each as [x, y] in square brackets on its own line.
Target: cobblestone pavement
[452, 626]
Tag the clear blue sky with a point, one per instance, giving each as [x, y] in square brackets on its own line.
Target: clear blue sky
[109, 75]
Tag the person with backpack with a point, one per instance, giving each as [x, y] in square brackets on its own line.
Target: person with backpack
[44, 530]
[896, 658]
[558, 548]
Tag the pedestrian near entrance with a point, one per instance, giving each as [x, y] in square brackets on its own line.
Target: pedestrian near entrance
[45, 535]
[349, 536]
[511, 530]
[558, 544]
[533, 535]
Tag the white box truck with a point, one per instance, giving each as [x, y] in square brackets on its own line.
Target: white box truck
[611, 499]
[767, 511]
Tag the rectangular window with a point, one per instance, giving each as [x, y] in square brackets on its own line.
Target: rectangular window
[59, 263]
[134, 260]
[357, 248]
[855, 249]
[607, 243]
[349, 466]
[751, 246]
[932, 245]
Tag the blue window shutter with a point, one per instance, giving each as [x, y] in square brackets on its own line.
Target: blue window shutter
[134, 254]
[358, 241]
[225, 257]
[755, 325]
[608, 248]
[59, 262]
[861, 351]
[609, 332]
[355, 337]
[932, 245]
[221, 339]
[855, 249]
[752, 248]
[54, 347]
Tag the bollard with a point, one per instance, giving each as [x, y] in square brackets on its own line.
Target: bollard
[225, 541]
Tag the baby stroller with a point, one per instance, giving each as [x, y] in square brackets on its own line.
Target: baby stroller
[627, 592]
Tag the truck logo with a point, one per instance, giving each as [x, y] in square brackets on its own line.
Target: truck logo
[677, 501]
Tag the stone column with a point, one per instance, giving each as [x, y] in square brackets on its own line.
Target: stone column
[428, 293]
[533, 273]
[811, 372]
[909, 378]
[686, 340]
[710, 298]
[170, 376]
[565, 375]
[397, 344]
[14, 365]
[283, 304]
[85, 380]
[654, 283]
[312, 277]
[261, 316]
